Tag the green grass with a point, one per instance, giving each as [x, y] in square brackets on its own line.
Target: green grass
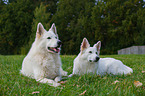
[13, 83]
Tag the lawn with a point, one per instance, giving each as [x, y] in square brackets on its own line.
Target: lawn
[13, 83]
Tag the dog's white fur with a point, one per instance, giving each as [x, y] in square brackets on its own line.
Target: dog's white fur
[88, 61]
[43, 62]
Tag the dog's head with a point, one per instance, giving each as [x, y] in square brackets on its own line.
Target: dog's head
[48, 40]
[91, 54]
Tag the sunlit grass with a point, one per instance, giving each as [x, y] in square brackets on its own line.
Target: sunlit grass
[13, 83]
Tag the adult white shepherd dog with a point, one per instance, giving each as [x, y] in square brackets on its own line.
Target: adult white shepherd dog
[43, 62]
[88, 61]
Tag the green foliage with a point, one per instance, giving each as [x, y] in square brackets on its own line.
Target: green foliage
[2, 4]
[116, 23]
[13, 83]
[40, 15]
[72, 20]
[140, 40]
[15, 21]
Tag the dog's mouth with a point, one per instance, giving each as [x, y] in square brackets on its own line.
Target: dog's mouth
[54, 49]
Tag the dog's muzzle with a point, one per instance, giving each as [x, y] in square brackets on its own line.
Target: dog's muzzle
[55, 49]
[96, 59]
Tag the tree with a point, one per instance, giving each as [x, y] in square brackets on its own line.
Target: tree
[140, 29]
[15, 22]
[72, 20]
[115, 23]
[1, 4]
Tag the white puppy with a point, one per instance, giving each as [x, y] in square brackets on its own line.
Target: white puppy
[43, 62]
[88, 61]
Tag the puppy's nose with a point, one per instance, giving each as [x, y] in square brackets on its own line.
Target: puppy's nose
[59, 43]
[97, 58]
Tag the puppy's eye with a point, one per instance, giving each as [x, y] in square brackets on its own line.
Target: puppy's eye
[90, 51]
[55, 37]
[48, 37]
[96, 52]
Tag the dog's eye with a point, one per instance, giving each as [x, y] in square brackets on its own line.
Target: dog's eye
[96, 52]
[90, 51]
[48, 37]
[55, 37]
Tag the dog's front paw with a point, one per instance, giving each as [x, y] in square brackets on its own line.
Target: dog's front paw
[56, 84]
[57, 79]
[65, 73]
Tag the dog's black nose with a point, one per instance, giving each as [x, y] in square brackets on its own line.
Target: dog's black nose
[97, 58]
[90, 60]
[59, 43]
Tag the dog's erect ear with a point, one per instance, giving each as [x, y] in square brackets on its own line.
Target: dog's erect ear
[40, 30]
[85, 44]
[98, 46]
[53, 28]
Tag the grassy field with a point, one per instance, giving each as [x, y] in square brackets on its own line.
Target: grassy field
[13, 83]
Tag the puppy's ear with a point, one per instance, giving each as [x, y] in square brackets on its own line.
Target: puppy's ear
[98, 46]
[40, 30]
[53, 28]
[85, 44]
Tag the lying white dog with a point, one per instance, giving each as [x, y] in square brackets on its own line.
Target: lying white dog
[43, 62]
[88, 61]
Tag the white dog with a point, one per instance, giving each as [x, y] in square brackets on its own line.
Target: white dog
[88, 61]
[43, 62]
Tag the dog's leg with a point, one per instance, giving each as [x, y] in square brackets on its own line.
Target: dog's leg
[49, 81]
[62, 72]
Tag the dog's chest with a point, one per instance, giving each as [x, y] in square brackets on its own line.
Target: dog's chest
[91, 68]
[50, 66]
[88, 67]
